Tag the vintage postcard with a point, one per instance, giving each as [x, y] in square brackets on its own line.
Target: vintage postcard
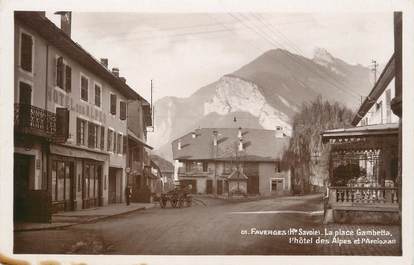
[256, 133]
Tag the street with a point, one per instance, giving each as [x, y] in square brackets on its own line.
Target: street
[210, 229]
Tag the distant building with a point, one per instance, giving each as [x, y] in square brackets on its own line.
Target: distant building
[233, 161]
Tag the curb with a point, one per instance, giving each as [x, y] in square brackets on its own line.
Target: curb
[92, 220]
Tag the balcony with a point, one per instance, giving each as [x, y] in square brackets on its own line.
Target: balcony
[194, 173]
[32, 120]
[364, 198]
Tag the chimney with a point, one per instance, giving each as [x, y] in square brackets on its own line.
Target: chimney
[123, 79]
[65, 21]
[104, 62]
[179, 145]
[279, 133]
[215, 133]
[115, 71]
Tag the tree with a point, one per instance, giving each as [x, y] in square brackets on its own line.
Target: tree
[312, 119]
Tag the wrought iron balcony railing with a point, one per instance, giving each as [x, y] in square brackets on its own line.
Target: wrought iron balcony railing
[32, 120]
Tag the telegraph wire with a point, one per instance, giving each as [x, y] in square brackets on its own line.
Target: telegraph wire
[276, 44]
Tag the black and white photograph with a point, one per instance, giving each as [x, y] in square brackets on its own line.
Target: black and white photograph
[231, 133]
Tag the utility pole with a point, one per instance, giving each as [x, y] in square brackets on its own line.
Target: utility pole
[374, 68]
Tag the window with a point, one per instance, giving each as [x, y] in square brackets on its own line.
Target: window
[98, 91]
[93, 135]
[68, 78]
[25, 93]
[122, 110]
[114, 147]
[62, 172]
[109, 137]
[388, 105]
[124, 144]
[118, 144]
[80, 131]
[63, 75]
[102, 137]
[278, 167]
[113, 104]
[26, 52]
[60, 72]
[84, 88]
[205, 166]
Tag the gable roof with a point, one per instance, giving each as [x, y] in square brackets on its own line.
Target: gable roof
[55, 36]
[258, 145]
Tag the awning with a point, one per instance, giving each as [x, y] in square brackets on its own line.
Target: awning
[361, 131]
[77, 152]
[136, 138]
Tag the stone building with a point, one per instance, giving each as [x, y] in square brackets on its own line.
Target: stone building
[231, 161]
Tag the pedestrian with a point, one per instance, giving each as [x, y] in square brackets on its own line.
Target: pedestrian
[127, 194]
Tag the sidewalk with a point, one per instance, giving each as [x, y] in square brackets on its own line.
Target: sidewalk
[66, 219]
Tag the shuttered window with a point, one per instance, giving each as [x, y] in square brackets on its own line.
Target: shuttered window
[122, 110]
[26, 52]
[93, 135]
[80, 131]
[124, 145]
[68, 78]
[84, 88]
[59, 72]
[62, 124]
[109, 142]
[113, 104]
[114, 147]
[102, 137]
[98, 95]
[119, 144]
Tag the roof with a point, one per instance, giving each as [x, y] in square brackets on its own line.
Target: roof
[369, 130]
[55, 36]
[383, 81]
[258, 145]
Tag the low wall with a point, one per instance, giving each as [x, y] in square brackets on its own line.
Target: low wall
[366, 217]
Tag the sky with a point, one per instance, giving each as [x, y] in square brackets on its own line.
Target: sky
[184, 52]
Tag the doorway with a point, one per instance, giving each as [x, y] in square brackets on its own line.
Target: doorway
[21, 172]
[115, 185]
[253, 185]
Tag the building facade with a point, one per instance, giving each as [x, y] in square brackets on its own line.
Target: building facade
[365, 160]
[231, 161]
[70, 122]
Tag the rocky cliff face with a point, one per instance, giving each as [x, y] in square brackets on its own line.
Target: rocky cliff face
[262, 94]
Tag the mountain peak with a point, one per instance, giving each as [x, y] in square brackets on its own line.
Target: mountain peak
[322, 56]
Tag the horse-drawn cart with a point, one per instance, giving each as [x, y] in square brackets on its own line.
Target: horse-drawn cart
[178, 197]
